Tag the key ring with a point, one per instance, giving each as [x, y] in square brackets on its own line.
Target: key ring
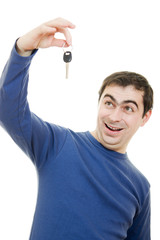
[67, 48]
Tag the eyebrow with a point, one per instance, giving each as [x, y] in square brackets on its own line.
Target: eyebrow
[125, 101]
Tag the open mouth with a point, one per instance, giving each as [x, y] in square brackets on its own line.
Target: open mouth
[113, 129]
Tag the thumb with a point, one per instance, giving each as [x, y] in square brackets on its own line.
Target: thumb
[59, 43]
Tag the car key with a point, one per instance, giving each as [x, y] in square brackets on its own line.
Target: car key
[67, 57]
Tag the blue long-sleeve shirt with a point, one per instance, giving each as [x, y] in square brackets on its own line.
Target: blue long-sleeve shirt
[85, 191]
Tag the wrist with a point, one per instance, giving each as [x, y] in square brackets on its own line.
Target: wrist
[21, 51]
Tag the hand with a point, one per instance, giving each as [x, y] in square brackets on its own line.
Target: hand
[44, 36]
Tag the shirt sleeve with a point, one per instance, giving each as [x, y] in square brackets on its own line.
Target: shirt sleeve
[140, 229]
[33, 135]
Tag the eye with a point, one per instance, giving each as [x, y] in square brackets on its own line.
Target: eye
[129, 109]
[109, 104]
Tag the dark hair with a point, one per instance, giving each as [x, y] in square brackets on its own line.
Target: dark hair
[125, 79]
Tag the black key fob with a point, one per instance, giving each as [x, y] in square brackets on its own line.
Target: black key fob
[67, 57]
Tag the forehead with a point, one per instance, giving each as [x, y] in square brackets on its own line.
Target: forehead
[124, 93]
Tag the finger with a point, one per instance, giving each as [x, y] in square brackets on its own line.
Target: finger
[67, 35]
[61, 23]
[44, 29]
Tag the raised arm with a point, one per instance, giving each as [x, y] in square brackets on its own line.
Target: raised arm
[34, 136]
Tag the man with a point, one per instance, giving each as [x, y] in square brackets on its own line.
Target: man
[88, 189]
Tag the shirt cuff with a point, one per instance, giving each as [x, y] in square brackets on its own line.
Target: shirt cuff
[21, 59]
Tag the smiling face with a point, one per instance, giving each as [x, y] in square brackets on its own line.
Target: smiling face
[120, 114]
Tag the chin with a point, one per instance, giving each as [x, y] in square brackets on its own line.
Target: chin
[113, 144]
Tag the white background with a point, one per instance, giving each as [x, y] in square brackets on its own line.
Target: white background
[110, 36]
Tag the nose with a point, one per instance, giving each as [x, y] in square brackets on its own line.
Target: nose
[116, 115]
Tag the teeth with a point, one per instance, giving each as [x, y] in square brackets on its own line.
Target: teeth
[113, 128]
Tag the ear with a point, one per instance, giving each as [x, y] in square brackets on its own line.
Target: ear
[146, 117]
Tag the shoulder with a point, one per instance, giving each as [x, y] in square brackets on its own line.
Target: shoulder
[138, 175]
[140, 182]
[66, 135]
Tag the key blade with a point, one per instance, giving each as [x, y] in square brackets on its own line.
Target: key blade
[67, 70]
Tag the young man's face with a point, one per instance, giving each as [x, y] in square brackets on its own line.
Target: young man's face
[120, 114]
